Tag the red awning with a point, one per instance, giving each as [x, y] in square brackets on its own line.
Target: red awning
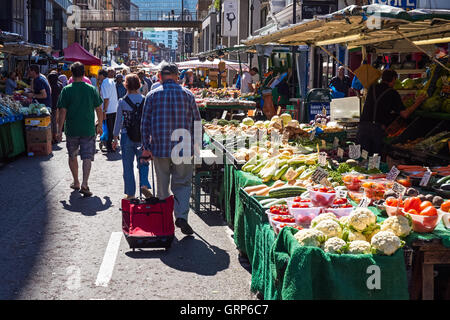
[75, 52]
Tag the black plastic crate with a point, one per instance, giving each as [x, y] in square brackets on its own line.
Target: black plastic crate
[205, 195]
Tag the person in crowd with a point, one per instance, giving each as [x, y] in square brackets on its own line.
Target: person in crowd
[189, 79]
[157, 127]
[247, 84]
[126, 118]
[11, 84]
[148, 81]
[56, 87]
[93, 79]
[41, 90]
[144, 87]
[124, 72]
[110, 103]
[341, 84]
[85, 79]
[383, 105]
[63, 79]
[157, 83]
[111, 73]
[121, 90]
[155, 77]
[77, 104]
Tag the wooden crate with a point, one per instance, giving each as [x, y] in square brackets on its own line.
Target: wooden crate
[40, 149]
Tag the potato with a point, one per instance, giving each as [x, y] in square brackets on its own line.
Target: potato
[437, 201]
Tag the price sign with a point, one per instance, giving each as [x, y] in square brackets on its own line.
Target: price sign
[341, 193]
[354, 151]
[364, 202]
[426, 178]
[324, 111]
[340, 153]
[224, 114]
[374, 162]
[312, 134]
[319, 175]
[398, 189]
[364, 154]
[335, 142]
[324, 144]
[393, 174]
[322, 159]
[278, 111]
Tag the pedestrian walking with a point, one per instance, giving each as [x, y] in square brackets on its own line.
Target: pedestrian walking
[110, 103]
[144, 86]
[121, 90]
[168, 108]
[77, 103]
[56, 87]
[128, 124]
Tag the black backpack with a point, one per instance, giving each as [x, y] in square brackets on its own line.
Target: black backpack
[133, 123]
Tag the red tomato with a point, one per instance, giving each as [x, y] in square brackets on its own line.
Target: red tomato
[295, 205]
[297, 199]
[425, 205]
[412, 211]
[429, 211]
[412, 203]
[445, 206]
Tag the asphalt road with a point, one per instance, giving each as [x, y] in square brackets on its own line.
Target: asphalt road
[54, 244]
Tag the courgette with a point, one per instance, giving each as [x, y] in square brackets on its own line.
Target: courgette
[265, 201]
[286, 191]
[277, 201]
[280, 172]
[443, 180]
[259, 167]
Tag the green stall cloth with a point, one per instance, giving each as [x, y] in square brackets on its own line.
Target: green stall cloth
[17, 138]
[229, 193]
[12, 141]
[241, 180]
[308, 273]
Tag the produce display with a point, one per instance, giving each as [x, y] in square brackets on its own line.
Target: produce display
[357, 233]
[222, 97]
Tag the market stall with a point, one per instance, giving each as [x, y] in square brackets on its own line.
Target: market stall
[270, 175]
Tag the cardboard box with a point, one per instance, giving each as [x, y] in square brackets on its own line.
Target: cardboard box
[37, 121]
[40, 149]
[38, 134]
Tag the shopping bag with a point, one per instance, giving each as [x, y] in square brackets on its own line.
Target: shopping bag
[104, 136]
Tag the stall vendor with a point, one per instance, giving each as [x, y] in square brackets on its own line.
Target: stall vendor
[247, 80]
[340, 84]
[382, 106]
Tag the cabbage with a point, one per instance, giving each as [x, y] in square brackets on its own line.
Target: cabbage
[286, 117]
[432, 104]
[398, 85]
[408, 84]
[248, 121]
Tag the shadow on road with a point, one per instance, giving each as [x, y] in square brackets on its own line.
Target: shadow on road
[88, 206]
[189, 255]
[113, 156]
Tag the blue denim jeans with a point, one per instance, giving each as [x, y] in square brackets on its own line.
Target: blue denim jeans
[130, 151]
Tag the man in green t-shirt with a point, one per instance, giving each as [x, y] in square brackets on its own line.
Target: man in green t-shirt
[77, 103]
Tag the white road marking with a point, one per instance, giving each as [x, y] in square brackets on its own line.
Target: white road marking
[109, 259]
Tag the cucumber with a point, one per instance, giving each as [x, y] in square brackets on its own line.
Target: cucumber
[443, 181]
[286, 191]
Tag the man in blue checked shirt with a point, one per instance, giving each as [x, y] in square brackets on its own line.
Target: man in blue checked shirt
[169, 114]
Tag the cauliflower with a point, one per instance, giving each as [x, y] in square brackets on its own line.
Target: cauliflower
[386, 242]
[399, 225]
[354, 236]
[321, 217]
[310, 237]
[361, 218]
[359, 247]
[330, 228]
[335, 245]
[343, 220]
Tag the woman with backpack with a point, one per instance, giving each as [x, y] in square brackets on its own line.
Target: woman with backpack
[128, 123]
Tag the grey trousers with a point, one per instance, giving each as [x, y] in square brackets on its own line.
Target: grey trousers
[180, 179]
